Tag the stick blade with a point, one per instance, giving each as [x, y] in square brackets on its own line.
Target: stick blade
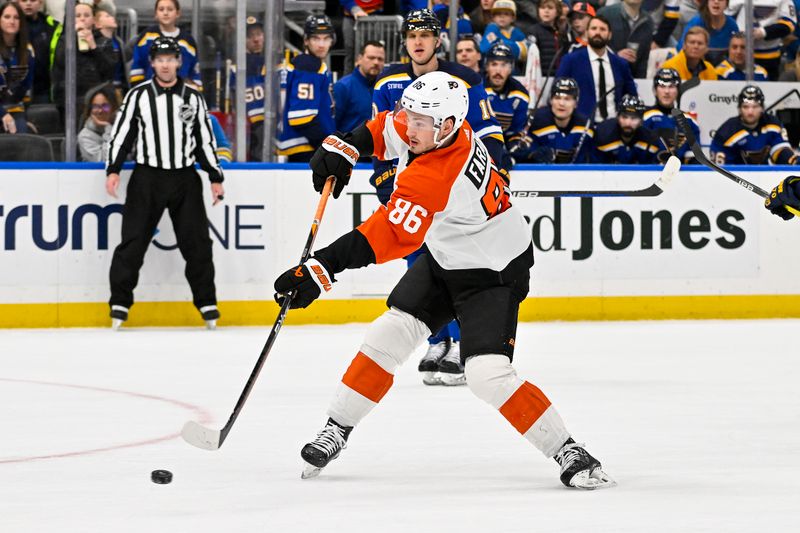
[200, 437]
[668, 173]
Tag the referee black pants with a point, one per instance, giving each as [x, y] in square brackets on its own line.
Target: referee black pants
[150, 191]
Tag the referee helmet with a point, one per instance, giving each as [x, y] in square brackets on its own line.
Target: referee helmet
[165, 46]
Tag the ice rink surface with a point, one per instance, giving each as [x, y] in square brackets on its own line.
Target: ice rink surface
[699, 422]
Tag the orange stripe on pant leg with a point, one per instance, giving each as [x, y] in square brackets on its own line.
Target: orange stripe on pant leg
[524, 407]
[367, 378]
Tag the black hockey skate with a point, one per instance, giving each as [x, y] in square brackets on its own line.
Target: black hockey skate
[579, 469]
[210, 315]
[330, 442]
[119, 314]
[429, 364]
[451, 370]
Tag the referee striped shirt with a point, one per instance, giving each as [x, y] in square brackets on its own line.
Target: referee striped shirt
[168, 127]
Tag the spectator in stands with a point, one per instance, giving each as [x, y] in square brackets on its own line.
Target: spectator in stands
[753, 137]
[41, 29]
[659, 118]
[624, 140]
[481, 16]
[665, 14]
[308, 111]
[719, 26]
[7, 123]
[551, 41]
[223, 150]
[98, 118]
[467, 53]
[773, 20]
[17, 64]
[579, 16]
[691, 61]
[106, 35]
[254, 87]
[502, 28]
[167, 13]
[558, 133]
[733, 68]
[441, 8]
[508, 98]
[791, 43]
[353, 93]
[354, 10]
[604, 78]
[631, 34]
[95, 64]
[792, 72]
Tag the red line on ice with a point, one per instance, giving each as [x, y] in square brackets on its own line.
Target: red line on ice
[201, 414]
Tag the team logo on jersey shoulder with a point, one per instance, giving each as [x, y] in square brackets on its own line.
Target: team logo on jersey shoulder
[187, 113]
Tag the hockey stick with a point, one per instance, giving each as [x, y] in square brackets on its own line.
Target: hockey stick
[697, 150]
[781, 99]
[671, 168]
[212, 439]
[685, 86]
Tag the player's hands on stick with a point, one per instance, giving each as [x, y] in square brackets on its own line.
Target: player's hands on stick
[336, 158]
[306, 281]
[784, 195]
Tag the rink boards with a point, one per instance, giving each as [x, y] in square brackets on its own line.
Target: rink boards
[704, 249]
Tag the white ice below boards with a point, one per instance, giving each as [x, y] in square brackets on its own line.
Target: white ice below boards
[698, 422]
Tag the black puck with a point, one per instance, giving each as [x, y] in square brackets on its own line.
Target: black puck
[162, 477]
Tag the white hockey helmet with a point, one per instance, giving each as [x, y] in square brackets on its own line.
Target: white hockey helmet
[439, 96]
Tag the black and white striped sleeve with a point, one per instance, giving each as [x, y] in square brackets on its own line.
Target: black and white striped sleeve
[124, 133]
[205, 144]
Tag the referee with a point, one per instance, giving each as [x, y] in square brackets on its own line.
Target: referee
[167, 123]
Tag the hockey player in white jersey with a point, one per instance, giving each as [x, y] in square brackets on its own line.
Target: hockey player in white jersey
[450, 196]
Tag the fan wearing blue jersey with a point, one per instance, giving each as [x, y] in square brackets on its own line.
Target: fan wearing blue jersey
[508, 98]
[733, 68]
[623, 140]
[659, 119]
[753, 137]
[556, 131]
[421, 33]
[167, 13]
[254, 86]
[308, 112]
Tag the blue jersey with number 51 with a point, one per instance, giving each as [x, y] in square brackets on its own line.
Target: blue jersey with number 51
[308, 105]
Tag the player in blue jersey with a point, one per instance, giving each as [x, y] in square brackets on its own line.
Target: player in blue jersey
[167, 14]
[753, 137]
[556, 131]
[308, 88]
[623, 140]
[508, 97]
[660, 121]
[254, 86]
[421, 33]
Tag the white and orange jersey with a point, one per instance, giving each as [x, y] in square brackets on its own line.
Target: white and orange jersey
[453, 199]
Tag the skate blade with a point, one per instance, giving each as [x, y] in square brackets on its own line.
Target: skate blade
[453, 380]
[116, 323]
[211, 325]
[310, 471]
[596, 480]
[431, 378]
